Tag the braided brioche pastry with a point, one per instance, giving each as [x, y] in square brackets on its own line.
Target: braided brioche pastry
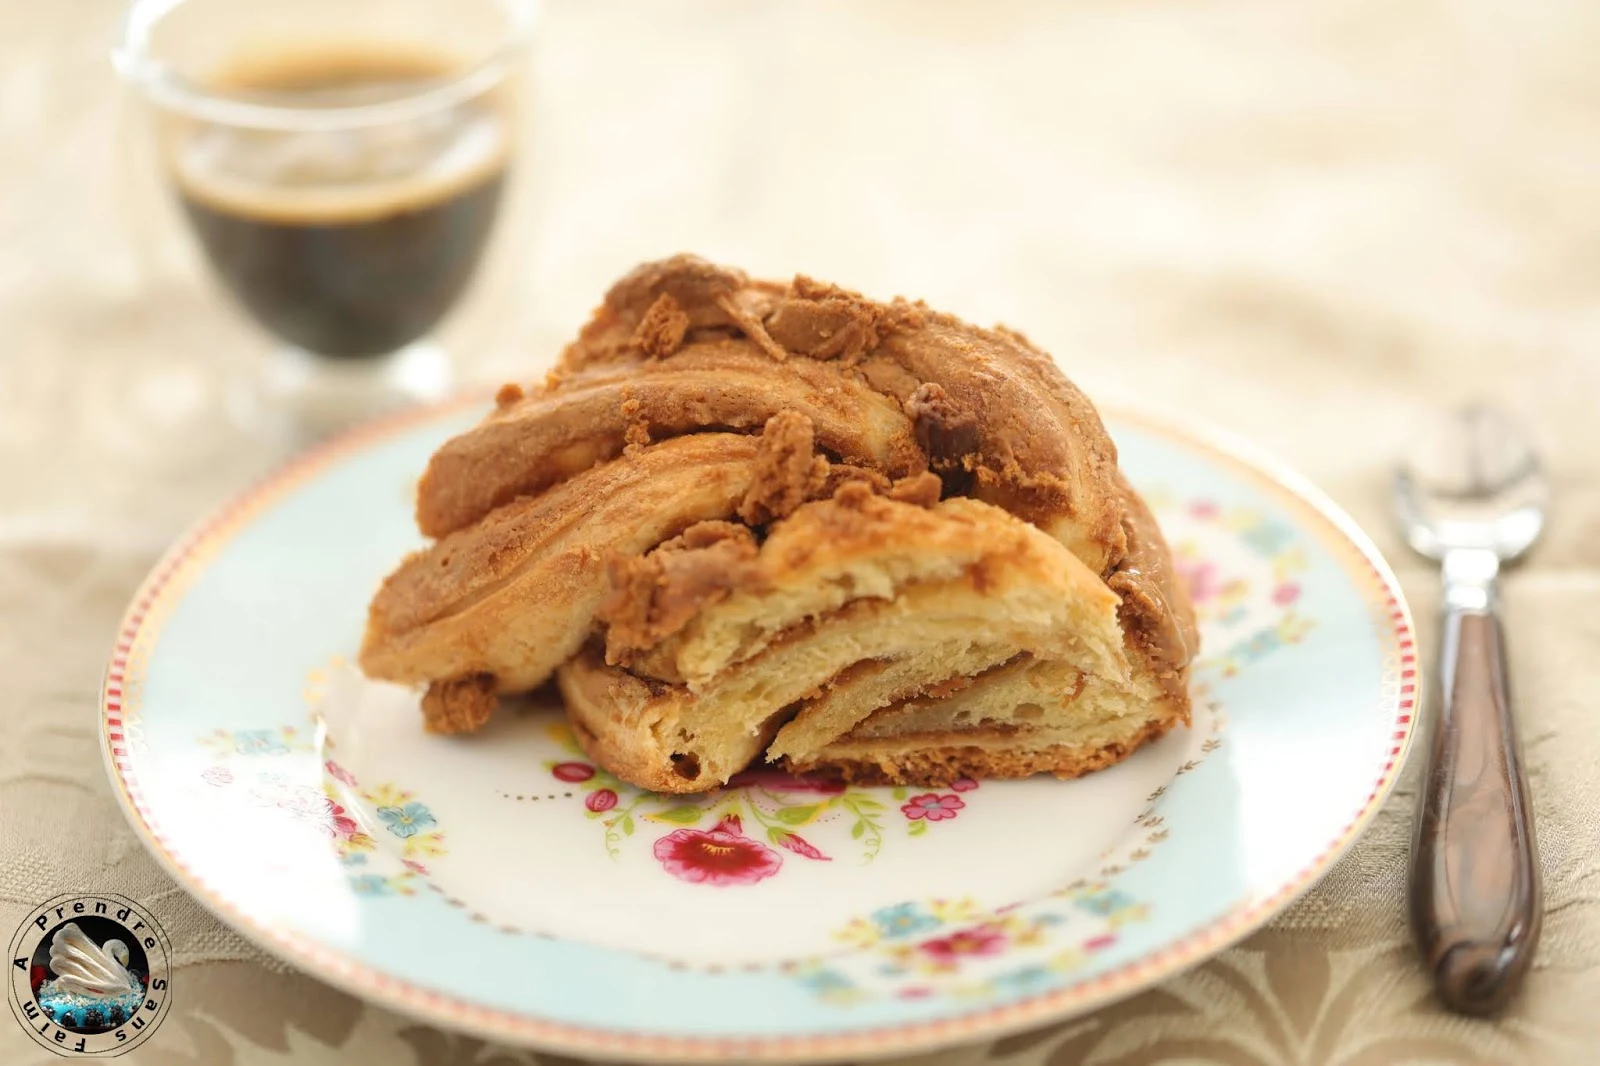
[744, 521]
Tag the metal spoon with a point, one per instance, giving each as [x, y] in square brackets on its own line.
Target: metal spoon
[1472, 498]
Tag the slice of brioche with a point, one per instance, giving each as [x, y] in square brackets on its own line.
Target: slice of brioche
[869, 600]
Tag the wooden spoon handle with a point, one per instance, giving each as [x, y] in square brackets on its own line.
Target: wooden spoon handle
[1475, 885]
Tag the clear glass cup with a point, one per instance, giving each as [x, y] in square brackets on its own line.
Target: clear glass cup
[339, 169]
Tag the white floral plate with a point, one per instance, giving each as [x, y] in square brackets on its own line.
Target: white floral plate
[502, 884]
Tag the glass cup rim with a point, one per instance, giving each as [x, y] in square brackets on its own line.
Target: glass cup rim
[131, 59]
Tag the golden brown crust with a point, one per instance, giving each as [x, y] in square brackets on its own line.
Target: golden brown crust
[1005, 425]
[993, 414]
[583, 418]
[516, 594]
[462, 566]
[695, 286]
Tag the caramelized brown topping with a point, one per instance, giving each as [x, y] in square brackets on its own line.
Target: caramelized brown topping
[826, 322]
[920, 490]
[944, 427]
[787, 471]
[459, 705]
[660, 332]
[654, 596]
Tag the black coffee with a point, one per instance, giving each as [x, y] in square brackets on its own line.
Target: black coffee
[350, 242]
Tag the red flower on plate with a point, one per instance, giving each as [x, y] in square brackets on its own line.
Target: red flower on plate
[1285, 594]
[722, 855]
[339, 773]
[572, 772]
[600, 800]
[342, 825]
[979, 940]
[800, 846]
[963, 784]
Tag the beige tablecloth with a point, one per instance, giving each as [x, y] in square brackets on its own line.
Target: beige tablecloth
[1308, 222]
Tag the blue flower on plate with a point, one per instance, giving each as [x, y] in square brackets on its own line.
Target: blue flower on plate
[1106, 902]
[1268, 538]
[370, 885]
[827, 981]
[407, 820]
[1026, 979]
[903, 920]
[258, 742]
[1263, 642]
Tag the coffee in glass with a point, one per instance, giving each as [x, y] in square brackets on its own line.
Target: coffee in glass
[349, 243]
[342, 166]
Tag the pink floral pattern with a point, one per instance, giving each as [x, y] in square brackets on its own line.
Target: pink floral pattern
[800, 846]
[572, 773]
[775, 806]
[932, 807]
[721, 856]
[987, 939]
[919, 949]
[341, 825]
[1253, 608]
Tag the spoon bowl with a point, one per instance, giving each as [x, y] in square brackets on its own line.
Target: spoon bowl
[1473, 482]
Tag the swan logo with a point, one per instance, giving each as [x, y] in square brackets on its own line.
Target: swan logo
[90, 975]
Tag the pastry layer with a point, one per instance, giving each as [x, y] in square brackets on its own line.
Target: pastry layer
[859, 546]
[516, 595]
[585, 417]
[936, 760]
[960, 582]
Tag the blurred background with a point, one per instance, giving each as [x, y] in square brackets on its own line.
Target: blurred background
[1308, 223]
[1289, 219]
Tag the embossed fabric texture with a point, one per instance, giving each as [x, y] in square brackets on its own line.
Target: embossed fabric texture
[1306, 222]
